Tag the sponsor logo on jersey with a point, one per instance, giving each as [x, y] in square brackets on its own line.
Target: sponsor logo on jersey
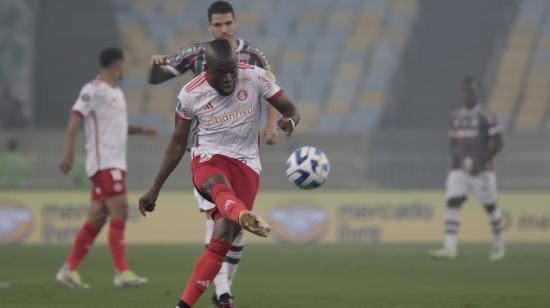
[203, 94]
[85, 97]
[16, 222]
[242, 95]
[265, 82]
[230, 117]
[298, 223]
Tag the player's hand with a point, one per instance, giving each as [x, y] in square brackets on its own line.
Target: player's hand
[150, 132]
[66, 164]
[147, 202]
[269, 134]
[159, 60]
[286, 125]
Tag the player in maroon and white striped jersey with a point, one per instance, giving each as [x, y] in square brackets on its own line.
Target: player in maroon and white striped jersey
[475, 140]
[191, 58]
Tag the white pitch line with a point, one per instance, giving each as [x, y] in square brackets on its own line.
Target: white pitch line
[7, 284]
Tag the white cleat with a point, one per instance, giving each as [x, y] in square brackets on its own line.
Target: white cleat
[443, 254]
[128, 279]
[251, 222]
[497, 255]
[70, 278]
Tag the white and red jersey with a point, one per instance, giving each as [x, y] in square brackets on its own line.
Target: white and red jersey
[103, 109]
[228, 125]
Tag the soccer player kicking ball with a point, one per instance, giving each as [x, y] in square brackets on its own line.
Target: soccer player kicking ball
[226, 99]
[221, 24]
[102, 107]
[475, 140]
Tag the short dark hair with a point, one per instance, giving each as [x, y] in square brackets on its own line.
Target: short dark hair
[109, 55]
[220, 7]
[222, 48]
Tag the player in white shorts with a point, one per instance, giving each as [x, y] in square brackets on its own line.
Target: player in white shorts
[476, 139]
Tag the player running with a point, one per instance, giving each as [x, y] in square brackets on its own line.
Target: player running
[222, 24]
[225, 166]
[102, 107]
[475, 140]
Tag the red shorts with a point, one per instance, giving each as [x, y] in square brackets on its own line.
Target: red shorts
[108, 183]
[243, 179]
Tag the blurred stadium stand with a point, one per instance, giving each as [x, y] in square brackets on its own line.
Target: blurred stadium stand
[375, 81]
[337, 58]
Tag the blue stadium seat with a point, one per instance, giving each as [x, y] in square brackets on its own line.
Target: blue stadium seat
[329, 123]
[365, 118]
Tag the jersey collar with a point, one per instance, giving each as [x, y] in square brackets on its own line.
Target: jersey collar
[240, 45]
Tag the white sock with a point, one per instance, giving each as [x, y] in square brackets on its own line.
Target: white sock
[234, 256]
[221, 282]
[452, 223]
[495, 218]
[224, 279]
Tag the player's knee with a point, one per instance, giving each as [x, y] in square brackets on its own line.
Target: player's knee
[120, 212]
[455, 202]
[225, 230]
[98, 220]
[490, 208]
[213, 180]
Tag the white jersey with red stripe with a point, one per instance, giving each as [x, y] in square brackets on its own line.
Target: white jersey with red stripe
[228, 125]
[103, 109]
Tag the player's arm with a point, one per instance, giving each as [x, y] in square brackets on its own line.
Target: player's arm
[172, 156]
[72, 131]
[269, 132]
[141, 130]
[160, 70]
[164, 67]
[291, 116]
[496, 144]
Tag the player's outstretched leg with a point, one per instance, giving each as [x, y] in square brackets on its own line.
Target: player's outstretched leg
[452, 224]
[118, 208]
[234, 209]
[83, 241]
[209, 264]
[224, 280]
[496, 221]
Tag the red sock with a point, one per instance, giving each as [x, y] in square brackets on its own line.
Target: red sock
[82, 244]
[206, 268]
[117, 245]
[227, 202]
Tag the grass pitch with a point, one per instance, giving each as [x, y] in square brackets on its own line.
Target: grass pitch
[290, 276]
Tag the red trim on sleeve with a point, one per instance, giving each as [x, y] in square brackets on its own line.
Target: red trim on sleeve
[276, 95]
[96, 130]
[77, 112]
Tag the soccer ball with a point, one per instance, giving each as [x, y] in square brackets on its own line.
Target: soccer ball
[307, 167]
